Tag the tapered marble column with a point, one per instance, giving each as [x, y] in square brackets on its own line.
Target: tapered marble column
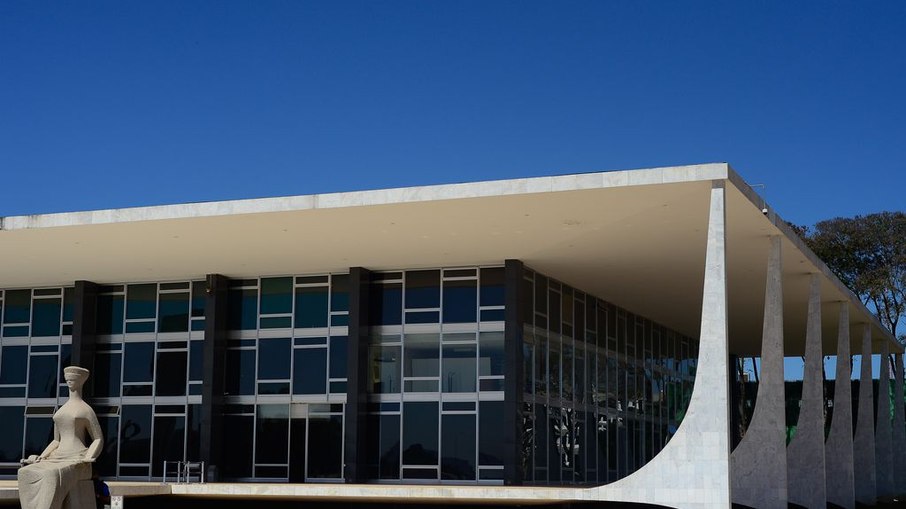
[864, 439]
[899, 430]
[758, 465]
[883, 432]
[838, 449]
[805, 454]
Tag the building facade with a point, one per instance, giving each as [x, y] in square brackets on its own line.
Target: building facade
[574, 331]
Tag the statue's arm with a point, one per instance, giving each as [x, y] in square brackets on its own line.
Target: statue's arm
[51, 447]
[97, 438]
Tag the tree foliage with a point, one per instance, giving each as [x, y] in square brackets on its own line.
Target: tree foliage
[867, 253]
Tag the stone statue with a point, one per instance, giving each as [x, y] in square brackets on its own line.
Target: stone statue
[60, 477]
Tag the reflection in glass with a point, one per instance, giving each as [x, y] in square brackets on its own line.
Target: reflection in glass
[385, 369]
[492, 357]
[459, 368]
[490, 437]
[135, 435]
[458, 446]
[421, 355]
[420, 422]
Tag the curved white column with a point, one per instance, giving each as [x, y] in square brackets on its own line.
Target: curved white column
[838, 449]
[864, 439]
[693, 469]
[883, 438]
[805, 454]
[758, 464]
[899, 430]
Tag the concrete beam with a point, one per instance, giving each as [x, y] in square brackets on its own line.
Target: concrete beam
[883, 431]
[805, 454]
[864, 439]
[693, 469]
[838, 448]
[758, 465]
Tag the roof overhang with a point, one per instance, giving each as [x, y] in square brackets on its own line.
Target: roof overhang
[633, 237]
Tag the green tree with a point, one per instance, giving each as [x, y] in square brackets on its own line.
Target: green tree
[867, 253]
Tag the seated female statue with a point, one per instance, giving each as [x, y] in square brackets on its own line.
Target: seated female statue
[45, 480]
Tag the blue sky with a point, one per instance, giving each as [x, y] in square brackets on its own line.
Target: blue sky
[113, 104]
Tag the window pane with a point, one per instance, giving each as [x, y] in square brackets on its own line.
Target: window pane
[13, 365]
[422, 289]
[237, 458]
[491, 361]
[274, 361]
[272, 434]
[276, 295]
[389, 447]
[171, 374]
[38, 433]
[459, 368]
[135, 435]
[460, 302]
[386, 304]
[45, 320]
[338, 357]
[141, 301]
[106, 463]
[17, 306]
[339, 292]
[385, 369]
[11, 438]
[492, 287]
[420, 422]
[196, 360]
[311, 307]
[240, 372]
[325, 446]
[243, 312]
[169, 441]
[193, 434]
[490, 433]
[199, 294]
[421, 355]
[107, 375]
[174, 312]
[110, 314]
[458, 462]
[139, 363]
[310, 371]
[68, 303]
[42, 376]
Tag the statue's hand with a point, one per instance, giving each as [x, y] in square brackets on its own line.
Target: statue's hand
[34, 458]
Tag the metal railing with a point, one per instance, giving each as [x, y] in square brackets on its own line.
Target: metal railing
[186, 471]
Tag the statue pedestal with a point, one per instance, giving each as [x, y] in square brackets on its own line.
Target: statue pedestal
[81, 496]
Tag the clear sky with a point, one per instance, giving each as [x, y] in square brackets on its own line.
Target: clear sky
[113, 104]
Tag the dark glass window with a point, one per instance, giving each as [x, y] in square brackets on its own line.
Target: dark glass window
[491, 349]
[193, 434]
[141, 301]
[310, 371]
[13, 365]
[171, 373]
[240, 372]
[389, 460]
[199, 294]
[460, 302]
[490, 433]
[68, 303]
[420, 420]
[42, 376]
[110, 314]
[17, 306]
[458, 446]
[386, 304]
[311, 307]
[422, 289]
[139, 362]
[237, 458]
[325, 446]
[274, 360]
[11, 438]
[276, 295]
[169, 441]
[272, 434]
[243, 312]
[45, 320]
[459, 368]
[421, 355]
[338, 357]
[196, 360]
[107, 375]
[492, 287]
[339, 292]
[38, 433]
[135, 435]
[385, 369]
[174, 312]
[106, 463]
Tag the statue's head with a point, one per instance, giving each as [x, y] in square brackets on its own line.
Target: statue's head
[75, 376]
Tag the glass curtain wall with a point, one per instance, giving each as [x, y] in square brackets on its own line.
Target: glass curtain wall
[435, 375]
[286, 377]
[35, 346]
[604, 389]
[147, 376]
